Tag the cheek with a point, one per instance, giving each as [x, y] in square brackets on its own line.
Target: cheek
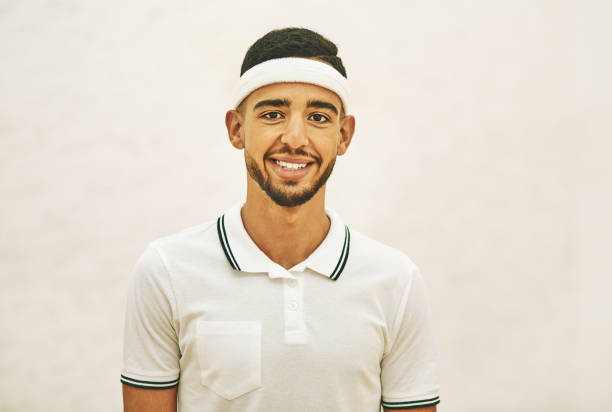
[331, 145]
[324, 140]
[252, 143]
[258, 141]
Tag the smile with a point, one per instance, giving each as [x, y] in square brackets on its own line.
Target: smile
[290, 170]
[290, 166]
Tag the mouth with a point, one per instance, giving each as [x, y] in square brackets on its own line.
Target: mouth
[290, 169]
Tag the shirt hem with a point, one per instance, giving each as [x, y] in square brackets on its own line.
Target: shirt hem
[421, 403]
[148, 384]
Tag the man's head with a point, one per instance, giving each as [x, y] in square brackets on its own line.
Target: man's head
[292, 42]
[290, 114]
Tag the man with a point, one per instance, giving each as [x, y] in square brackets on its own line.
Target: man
[277, 305]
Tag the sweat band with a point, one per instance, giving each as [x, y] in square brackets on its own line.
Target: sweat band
[292, 70]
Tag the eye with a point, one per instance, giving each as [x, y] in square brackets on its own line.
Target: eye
[319, 118]
[272, 115]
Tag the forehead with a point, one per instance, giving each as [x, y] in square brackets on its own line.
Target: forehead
[297, 93]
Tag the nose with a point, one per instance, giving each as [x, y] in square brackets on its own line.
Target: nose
[295, 134]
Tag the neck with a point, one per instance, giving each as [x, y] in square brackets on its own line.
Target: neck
[287, 235]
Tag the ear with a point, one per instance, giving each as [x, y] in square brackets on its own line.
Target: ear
[347, 129]
[234, 122]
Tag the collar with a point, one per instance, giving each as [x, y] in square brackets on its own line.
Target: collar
[328, 259]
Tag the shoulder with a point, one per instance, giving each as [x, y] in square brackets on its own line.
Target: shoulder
[188, 245]
[383, 268]
[200, 237]
[371, 256]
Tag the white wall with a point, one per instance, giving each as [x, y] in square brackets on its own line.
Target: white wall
[482, 146]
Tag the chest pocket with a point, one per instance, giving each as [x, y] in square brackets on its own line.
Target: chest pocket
[230, 356]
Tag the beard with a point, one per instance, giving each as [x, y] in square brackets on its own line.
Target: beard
[279, 194]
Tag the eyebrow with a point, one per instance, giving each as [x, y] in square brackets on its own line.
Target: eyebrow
[273, 102]
[286, 103]
[322, 105]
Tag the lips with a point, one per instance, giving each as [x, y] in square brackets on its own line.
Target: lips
[290, 169]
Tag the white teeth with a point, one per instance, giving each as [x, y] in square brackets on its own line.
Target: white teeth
[290, 166]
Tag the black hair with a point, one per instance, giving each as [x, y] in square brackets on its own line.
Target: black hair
[292, 42]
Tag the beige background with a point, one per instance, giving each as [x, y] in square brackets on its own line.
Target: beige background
[482, 146]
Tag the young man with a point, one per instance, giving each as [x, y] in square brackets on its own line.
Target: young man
[277, 305]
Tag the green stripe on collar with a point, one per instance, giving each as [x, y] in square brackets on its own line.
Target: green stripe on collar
[225, 244]
[343, 256]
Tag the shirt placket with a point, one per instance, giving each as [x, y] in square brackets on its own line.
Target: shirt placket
[295, 327]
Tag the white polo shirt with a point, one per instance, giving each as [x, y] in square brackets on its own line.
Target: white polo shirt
[342, 331]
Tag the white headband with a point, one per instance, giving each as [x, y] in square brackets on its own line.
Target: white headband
[292, 70]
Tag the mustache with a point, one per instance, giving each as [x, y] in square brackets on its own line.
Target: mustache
[297, 152]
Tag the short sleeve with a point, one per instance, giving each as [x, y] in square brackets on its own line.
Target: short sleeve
[150, 350]
[409, 375]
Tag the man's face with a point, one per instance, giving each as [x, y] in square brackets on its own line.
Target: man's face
[291, 134]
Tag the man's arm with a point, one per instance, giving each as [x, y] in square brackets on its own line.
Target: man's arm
[426, 409]
[149, 400]
[150, 370]
[409, 368]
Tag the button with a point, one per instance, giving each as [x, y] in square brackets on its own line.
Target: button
[292, 306]
[292, 283]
